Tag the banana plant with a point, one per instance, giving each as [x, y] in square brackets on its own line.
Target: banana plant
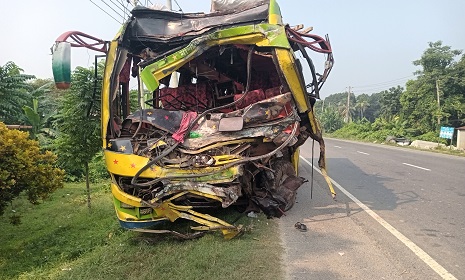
[39, 130]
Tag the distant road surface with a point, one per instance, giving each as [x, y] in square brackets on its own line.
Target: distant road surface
[399, 214]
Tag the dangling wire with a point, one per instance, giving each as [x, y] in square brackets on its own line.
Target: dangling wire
[311, 184]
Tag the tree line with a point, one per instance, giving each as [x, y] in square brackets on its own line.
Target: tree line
[435, 98]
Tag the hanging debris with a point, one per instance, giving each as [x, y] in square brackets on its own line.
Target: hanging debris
[225, 109]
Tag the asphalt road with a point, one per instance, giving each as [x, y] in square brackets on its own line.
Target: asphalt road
[407, 220]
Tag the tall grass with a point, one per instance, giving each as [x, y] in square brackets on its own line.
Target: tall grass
[62, 239]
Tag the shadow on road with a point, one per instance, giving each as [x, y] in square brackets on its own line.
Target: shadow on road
[336, 244]
[368, 188]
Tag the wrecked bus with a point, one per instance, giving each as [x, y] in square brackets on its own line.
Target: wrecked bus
[225, 103]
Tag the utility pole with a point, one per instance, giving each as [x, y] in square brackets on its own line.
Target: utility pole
[348, 106]
[169, 5]
[439, 103]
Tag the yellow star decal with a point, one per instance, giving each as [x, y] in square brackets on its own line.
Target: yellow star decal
[149, 113]
[122, 148]
[109, 145]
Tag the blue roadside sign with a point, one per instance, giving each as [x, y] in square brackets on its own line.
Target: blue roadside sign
[446, 132]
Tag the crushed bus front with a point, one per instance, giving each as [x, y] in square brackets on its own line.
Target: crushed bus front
[223, 106]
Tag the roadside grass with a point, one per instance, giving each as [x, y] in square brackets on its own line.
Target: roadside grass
[62, 239]
[439, 149]
[443, 150]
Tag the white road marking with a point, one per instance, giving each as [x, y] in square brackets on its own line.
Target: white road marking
[363, 153]
[339, 147]
[419, 167]
[427, 259]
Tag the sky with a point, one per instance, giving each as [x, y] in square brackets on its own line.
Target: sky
[374, 42]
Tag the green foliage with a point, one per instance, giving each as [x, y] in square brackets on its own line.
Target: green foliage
[48, 95]
[338, 98]
[452, 89]
[390, 102]
[23, 168]
[60, 239]
[30, 102]
[413, 112]
[374, 109]
[98, 169]
[395, 126]
[354, 130]
[347, 111]
[361, 105]
[331, 120]
[133, 100]
[376, 131]
[441, 77]
[336, 102]
[33, 117]
[436, 59]
[40, 111]
[13, 92]
[79, 123]
[332, 110]
[419, 104]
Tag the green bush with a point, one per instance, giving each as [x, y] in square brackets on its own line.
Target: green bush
[376, 131]
[355, 130]
[379, 135]
[24, 168]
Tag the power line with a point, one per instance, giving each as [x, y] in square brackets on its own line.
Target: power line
[383, 83]
[104, 11]
[122, 17]
[379, 87]
[119, 5]
[376, 89]
[128, 2]
[125, 7]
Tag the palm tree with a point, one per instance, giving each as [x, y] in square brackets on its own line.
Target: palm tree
[361, 106]
[13, 92]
